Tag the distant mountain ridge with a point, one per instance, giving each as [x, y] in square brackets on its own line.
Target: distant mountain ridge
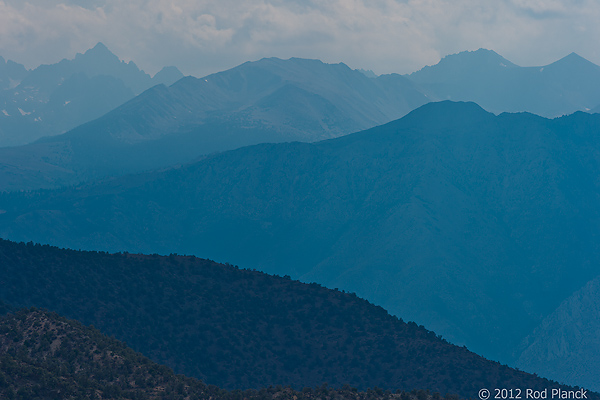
[52, 99]
[496, 84]
[270, 100]
[482, 76]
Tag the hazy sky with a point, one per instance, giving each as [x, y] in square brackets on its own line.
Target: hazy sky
[204, 36]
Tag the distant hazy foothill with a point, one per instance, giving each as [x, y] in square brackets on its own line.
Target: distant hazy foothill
[53, 99]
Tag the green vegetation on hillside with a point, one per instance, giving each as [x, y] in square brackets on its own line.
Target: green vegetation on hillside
[45, 356]
[243, 329]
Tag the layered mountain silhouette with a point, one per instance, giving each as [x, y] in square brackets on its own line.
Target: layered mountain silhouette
[52, 99]
[270, 100]
[475, 225]
[235, 328]
[563, 87]
[481, 227]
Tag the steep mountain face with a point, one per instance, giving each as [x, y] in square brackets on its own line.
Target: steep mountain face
[11, 73]
[565, 345]
[52, 99]
[477, 226]
[235, 328]
[563, 87]
[94, 62]
[271, 100]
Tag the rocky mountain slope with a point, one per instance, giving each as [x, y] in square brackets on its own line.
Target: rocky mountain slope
[45, 356]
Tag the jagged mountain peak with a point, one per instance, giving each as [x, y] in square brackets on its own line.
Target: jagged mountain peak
[367, 72]
[99, 47]
[465, 61]
[481, 56]
[12, 67]
[573, 60]
[98, 52]
[291, 63]
[167, 76]
[573, 57]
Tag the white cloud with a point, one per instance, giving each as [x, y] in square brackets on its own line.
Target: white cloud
[202, 36]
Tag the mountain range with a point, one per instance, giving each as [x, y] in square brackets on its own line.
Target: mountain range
[234, 328]
[496, 84]
[52, 99]
[475, 225]
[480, 226]
[270, 100]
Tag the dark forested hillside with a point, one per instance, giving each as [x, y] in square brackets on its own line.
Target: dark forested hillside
[45, 356]
[240, 328]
